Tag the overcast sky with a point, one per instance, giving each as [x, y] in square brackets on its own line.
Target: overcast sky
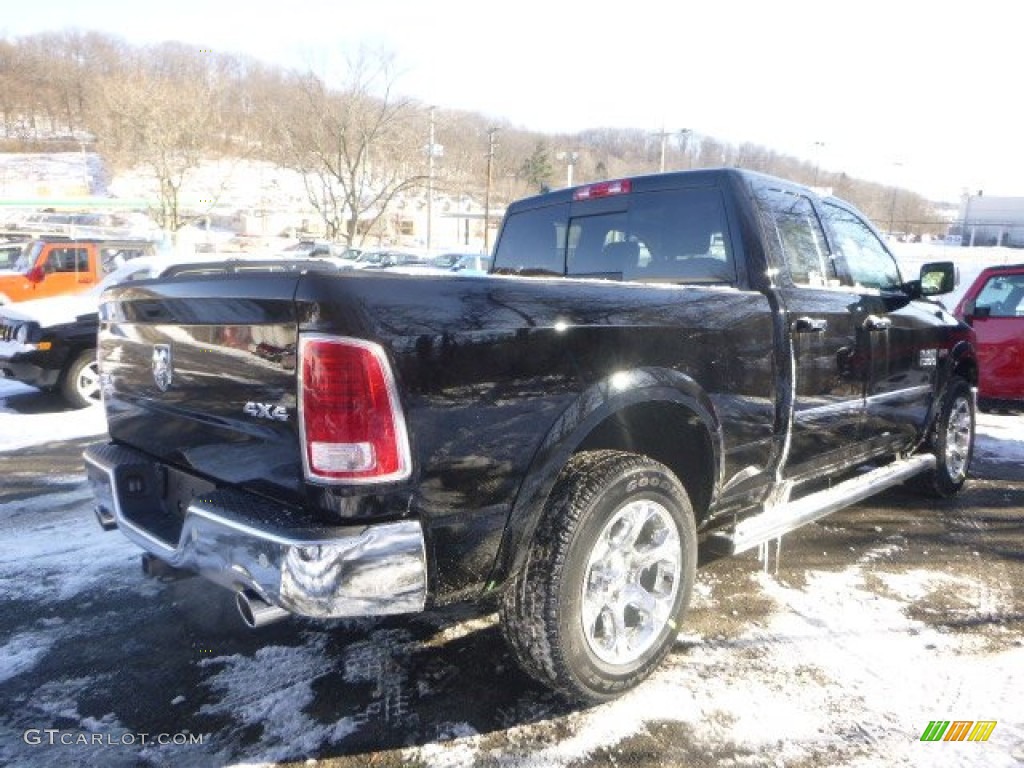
[921, 94]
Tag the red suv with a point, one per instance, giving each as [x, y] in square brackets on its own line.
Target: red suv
[994, 306]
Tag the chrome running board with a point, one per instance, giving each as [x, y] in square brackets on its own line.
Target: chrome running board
[783, 518]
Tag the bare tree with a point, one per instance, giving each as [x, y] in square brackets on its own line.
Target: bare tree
[163, 123]
[356, 148]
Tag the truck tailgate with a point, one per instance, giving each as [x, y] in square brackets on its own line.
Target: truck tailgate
[202, 376]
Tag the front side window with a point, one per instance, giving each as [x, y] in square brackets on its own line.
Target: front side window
[67, 260]
[797, 233]
[28, 257]
[1003, 296]
[868, 262]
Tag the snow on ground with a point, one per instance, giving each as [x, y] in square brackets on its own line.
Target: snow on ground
[21, 430]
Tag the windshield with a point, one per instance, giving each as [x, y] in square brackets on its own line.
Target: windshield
[28, 257]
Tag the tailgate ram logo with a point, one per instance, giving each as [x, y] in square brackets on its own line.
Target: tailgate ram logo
[163, 366]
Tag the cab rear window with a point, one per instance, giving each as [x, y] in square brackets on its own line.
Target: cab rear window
[674, 236]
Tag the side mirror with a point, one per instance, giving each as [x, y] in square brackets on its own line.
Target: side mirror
[938, 277]
[35, 275]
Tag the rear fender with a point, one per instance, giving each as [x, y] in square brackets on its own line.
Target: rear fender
[594, 407]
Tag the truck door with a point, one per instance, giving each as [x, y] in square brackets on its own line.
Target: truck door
[894, 331]
[820, 322]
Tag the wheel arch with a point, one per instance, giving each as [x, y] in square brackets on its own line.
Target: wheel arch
[655, 412]
[963, 362]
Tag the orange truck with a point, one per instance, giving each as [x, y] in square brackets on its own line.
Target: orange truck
[55, 266]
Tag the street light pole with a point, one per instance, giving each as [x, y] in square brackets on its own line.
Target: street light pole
[684, 140]
[487, 190]
[570, 160]
[663, 135]
[818, 146]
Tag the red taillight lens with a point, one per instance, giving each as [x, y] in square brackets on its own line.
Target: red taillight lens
[352, 425]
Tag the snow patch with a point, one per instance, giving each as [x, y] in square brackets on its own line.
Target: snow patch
[22, 652]
[269, 690]
[22, 430]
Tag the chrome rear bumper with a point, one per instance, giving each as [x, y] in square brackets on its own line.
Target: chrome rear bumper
[248, 543]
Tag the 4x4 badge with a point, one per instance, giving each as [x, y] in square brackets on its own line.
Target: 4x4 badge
[163, 367]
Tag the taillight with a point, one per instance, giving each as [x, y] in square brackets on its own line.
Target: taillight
[351, 421]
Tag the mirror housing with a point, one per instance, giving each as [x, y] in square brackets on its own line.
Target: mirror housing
[938, 277]
[35, 275]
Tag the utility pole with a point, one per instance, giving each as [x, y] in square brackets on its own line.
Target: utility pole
[430, 181]
[491, 144]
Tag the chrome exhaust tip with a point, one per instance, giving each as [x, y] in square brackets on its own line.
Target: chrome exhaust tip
[257, 612]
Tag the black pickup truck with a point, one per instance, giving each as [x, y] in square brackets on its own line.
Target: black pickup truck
[701, 358]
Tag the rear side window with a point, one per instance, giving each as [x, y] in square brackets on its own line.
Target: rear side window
[675, 236]
[532, 242]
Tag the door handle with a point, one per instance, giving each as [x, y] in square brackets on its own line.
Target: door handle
[810, 325]
[876, 323]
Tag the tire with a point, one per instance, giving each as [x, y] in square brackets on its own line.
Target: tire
[952, 442]
[608, 576]
[80, 384]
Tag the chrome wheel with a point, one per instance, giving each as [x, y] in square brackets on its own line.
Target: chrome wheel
[80, 384]
[959, 433]
[631, 582]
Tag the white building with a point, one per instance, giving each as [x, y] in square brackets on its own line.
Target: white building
[985, 220]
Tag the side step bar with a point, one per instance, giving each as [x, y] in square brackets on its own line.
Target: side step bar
[775, 521]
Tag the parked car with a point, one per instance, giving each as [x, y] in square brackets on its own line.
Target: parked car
[51, 343]
[312, 249]
[386, 258]
[994, 306]
[59, 266]
[472, 263]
